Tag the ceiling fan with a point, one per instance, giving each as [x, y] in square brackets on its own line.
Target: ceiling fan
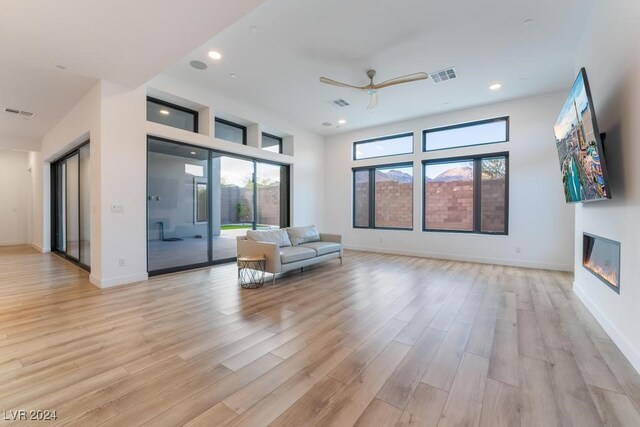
[372, 89]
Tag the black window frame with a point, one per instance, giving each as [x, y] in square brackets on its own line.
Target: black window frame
[477, 192]
[194, 113]
[280, 141]
[235, 125]
[464, 125]
[372, 194]
[384, 138]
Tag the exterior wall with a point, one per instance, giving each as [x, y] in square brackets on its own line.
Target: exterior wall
[540, 222]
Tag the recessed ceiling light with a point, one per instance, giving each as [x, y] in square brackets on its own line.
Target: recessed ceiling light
[214, 55]
[165, 112]
[253, 28]
[527, 22]
[342, 121]
[495, 86]
[193, 153]
[326, 124]
[198, 65]
[232, 75]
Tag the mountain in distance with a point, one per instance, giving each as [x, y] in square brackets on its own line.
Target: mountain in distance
[455, 174]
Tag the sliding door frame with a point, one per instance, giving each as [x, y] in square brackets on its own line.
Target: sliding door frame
[53, 203]
[285, 203]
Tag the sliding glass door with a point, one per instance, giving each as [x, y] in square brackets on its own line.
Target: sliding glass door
[200, 200]
[70, 210]
[178, 212]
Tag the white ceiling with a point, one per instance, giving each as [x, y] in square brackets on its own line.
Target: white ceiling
[124, 41]
[277, 67]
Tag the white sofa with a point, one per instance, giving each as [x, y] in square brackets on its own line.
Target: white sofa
[290, 248]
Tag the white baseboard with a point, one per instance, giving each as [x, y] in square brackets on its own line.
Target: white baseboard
[40, 248]
[118, 281]
[630, 352]
[452, 257]
[13, 243]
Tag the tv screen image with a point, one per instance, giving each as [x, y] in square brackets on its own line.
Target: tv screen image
[584, 172]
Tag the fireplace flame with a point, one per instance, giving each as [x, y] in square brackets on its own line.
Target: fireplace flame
[608, 274]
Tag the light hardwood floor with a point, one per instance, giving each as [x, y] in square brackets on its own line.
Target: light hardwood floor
[381, 340]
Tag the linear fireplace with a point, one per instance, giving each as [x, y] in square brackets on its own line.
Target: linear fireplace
[602, 258]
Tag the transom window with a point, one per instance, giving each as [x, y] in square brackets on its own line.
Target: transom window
[489, 131]
[271, 143]
[172, 115]
[230, 131]
[467, 194]
[384, 146]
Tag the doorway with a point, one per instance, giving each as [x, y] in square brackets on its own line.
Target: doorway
[70, 206]
[199, 200]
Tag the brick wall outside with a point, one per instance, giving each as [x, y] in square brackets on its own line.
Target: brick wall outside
[493, 205]
[394, 204]
[450, 205]
[268, 204]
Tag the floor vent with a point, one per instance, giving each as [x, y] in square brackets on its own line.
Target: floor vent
[443, 75]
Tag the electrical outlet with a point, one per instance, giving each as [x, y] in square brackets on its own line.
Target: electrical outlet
[121, 262]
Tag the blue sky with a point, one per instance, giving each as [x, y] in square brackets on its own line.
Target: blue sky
[567, 114]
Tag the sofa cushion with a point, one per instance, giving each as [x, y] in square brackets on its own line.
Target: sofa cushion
[322, 248]
[295, 253]
[279, 237]
[300, 235]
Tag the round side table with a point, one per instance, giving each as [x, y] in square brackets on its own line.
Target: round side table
[251, 271]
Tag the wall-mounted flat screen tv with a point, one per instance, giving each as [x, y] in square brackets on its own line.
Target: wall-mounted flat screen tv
[579, 145]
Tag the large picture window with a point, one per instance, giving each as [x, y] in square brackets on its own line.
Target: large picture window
[481, 132]
[383, 197]
[467, 194]
[384, 146]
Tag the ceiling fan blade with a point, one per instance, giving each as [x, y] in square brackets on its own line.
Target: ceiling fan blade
[403, 79]
[337, 83]
[373, 102]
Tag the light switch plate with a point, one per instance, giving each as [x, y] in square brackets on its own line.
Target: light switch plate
[117, 209]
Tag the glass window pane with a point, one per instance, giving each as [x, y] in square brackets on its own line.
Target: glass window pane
[361, 198]
[394, 197]
[85, 206]
[449, 196]
[73, 207]
[176, 236]
[229, 132]
[493, 192]
[271, 143]
[380, 147]
[483, 132]
[170, 116]
[268, 195]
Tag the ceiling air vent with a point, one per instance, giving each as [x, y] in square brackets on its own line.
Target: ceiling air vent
[443, 75]
[21, 113]
[339, 103]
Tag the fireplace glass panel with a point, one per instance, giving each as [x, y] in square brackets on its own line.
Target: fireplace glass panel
[602, 258]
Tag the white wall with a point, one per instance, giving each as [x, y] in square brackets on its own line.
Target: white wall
[114, 119]
[540, 223]
[15, 197]
[609, 51]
